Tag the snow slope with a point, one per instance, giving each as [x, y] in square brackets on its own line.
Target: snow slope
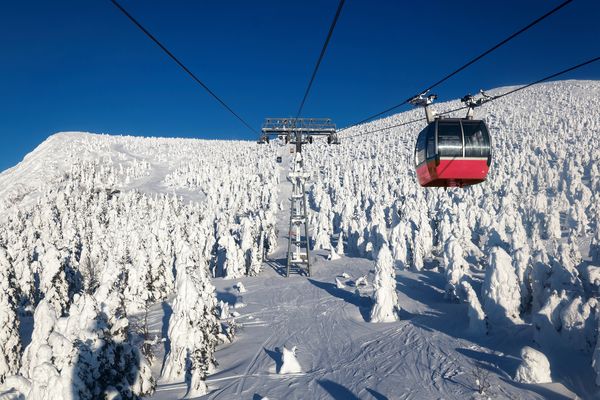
[537, 214]
[113, 225]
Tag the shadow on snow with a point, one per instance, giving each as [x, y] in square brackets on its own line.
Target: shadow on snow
[167, 311]
[364, 303]
[451, 319]
[337, 391]
[276, 356]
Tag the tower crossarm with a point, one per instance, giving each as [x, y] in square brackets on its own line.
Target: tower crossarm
[313, 126]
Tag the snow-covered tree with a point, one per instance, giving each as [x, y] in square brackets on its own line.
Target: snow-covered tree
[332, 254]
[594, 252]
[105, 362]
[547, 320]
[534, 367]
[417, 255]
[455, 266]
[500, 291]
[57, 281]
[339, 249]
[193, 327]
[255, 260]
[10, 340]
[399, 245]
[45, 317]
[84, 355]
[553, 228]
[230, 260]
[322, 239]
[578, 323]
[385, 299]
[477, 319]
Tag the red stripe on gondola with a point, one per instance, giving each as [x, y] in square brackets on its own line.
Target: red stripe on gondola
[452, 172]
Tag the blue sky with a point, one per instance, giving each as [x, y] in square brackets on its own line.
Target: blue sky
[81, 65]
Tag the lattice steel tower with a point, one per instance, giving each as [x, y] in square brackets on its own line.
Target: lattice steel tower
[298, 131]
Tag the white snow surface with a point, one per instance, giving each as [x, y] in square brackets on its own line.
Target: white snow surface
[479, 273]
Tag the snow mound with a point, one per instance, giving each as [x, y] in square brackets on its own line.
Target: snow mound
[240, 287]
[361, 281]
[289, 362]
[333, 255]
[534, 368]
[15, 387]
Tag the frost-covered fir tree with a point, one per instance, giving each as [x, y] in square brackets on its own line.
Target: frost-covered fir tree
[385, 299]
[416, 255]
[333, 254]
[58, 280]
[10, 339]
[553, 229]
[139, 290]
[547, 320]
[85, 355]
[255, 260]
[339, 249]
[399, 245]
[322, 239]
[456, 267]
[44, 318]
[477, 319]
[500, 291]
[578, 323]
[246, 241]
[193, 327]
[106, 362]
[564, 275]
[230, 260]
[594, 252]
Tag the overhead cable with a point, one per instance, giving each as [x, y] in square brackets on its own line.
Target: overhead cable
[178, 62]
[323, 50]
[547, 78]
[469, 63]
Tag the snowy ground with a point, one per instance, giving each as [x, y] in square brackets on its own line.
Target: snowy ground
[425, 355]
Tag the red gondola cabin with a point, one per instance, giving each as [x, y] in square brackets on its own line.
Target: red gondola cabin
[453, 152]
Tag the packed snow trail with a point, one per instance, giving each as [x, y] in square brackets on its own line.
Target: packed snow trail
[341, 355]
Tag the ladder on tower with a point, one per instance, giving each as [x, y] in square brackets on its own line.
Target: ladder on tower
[298, 253]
